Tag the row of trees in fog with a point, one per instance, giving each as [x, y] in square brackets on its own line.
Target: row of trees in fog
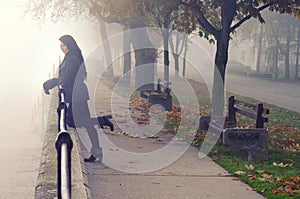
[276, 43]
[214, 20]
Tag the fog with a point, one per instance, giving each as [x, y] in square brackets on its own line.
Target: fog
[29, 51]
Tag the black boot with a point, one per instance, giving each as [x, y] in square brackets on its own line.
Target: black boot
[90, 159]
[103, 120]
[108, 123]
[100, 121]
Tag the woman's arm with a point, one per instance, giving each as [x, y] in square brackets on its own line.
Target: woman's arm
[49, 84]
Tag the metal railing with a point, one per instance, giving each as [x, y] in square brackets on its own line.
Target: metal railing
[64, 147]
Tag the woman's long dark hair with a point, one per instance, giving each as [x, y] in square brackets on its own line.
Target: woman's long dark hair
[73, 48]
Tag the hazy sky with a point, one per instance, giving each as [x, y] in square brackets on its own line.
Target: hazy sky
[28, 53]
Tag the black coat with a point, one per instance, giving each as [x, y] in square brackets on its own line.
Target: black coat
[72, 74]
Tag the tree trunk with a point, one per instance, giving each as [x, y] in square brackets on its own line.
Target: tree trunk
[184, 57]
[287, 52]
[297, 55]
[228, 9]
[145, 59]
[276, 55]
[176, 63]
[269, 69]
[177, 53]
[260, 38]
[177, 49]
[166, 35]
[107, 50]
[221, 59]
[127, 55]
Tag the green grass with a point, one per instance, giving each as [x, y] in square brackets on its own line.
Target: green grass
[264, 177]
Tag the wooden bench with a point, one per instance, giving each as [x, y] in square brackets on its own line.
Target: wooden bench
[158, 96]
[250, 110]
[254, 140]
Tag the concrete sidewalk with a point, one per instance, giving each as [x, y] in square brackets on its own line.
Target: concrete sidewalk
[187, 177]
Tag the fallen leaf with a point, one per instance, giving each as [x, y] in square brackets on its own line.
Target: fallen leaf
[281, 164]
[262, 179]
[133, 135]
[152, 136]
[240, 172]
[265, 175]
[251, 189]
[250, 167]
[114, 149]
[121, 133]
[260, 171]
[178, 139]
[236, 179]
[275, 191]
[252, 177]
[288, 189]
[291, 161]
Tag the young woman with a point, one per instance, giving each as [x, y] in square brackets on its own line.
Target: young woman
[78, 115]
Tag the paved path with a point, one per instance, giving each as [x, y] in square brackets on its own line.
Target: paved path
[283, 94]
[187, 177]
[279, 93]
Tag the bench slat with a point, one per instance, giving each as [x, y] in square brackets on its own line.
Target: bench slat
[246, 113]
[250, 106]
[247, 105]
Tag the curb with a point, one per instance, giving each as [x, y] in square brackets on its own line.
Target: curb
[46, 186]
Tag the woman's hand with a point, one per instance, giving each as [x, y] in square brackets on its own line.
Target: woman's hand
[49, 84]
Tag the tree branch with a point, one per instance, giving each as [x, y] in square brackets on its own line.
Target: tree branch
[108, 19]
[203, 21]
[99, 16]
[249, 16]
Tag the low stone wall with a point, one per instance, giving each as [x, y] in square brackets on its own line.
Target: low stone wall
[46, 186]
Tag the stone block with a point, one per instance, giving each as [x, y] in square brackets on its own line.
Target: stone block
[255, 141]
